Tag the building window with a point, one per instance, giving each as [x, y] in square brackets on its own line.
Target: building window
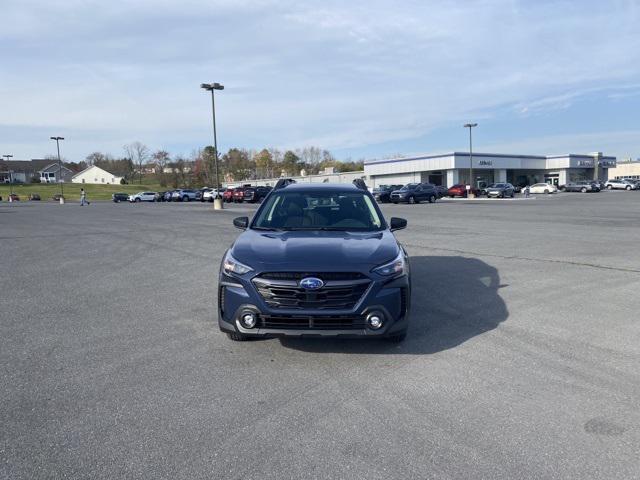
[83, 180]
[102, 179]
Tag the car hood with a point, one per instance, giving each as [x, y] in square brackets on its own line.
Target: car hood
[314, 249]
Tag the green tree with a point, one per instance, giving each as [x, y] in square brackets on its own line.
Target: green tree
[290, 163]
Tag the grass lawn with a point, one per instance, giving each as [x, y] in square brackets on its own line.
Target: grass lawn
[72, 190]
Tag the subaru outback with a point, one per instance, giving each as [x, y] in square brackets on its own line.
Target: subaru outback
[316, 260]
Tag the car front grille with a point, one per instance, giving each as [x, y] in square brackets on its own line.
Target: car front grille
[341, 290]
[291, 322]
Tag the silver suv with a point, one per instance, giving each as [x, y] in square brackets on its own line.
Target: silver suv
[620, 184]
[184, 195]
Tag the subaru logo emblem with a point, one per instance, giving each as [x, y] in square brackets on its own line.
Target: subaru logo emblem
[311, 283]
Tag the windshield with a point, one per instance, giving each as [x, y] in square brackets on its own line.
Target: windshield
[318, 210]
[409, 186]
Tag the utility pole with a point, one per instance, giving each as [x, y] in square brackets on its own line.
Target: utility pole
[470, 126]
[7, 157]
[57, 139]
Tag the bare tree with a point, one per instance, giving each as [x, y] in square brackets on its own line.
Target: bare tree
[161, 158]
[138, 153]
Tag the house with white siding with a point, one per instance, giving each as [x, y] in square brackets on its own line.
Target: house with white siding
[96, 175]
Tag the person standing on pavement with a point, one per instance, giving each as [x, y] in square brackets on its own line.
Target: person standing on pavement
[83, 197]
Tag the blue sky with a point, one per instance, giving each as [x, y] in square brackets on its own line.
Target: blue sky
[364, 79]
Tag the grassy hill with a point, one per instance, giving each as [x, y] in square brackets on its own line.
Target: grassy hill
[72, 190]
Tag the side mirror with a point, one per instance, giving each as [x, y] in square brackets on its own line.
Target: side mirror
[397, 224]
[243, 222]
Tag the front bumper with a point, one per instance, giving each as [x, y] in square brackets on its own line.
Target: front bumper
[390, 298]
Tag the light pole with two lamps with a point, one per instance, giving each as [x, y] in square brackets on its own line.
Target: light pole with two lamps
[470, 126]
[57, 139]
[217, 202]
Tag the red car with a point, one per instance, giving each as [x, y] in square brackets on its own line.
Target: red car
[460, 190]
[227, 195]
[238, 195]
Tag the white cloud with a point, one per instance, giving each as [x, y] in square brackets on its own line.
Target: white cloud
[343, 74]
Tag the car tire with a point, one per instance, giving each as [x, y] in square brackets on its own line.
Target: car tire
[513, 194]
[583, 190]
[397, 337]
[432, 199]
[412, 200]
[137, 200]
[609, 187]
[237, 337]
[628, 187]
[546, 191]
[185, 199]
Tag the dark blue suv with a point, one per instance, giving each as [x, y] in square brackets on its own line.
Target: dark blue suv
[316, 260]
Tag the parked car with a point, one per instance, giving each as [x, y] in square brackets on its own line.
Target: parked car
[460, 190]
[34, 197]
[183, 195]
[210, 195]
[255, 194]
[227, 195]
[543, 188]
[167, 195]
[581, 186]
[56, 197]
[200, 194]
[500, 190]
[238, 194]
[13, 197]
[383, 193]
[517, 188]
[440, 190]
[119, 197]
[320, 287]
[620, 184]
[143, 197]
[160, 196]
[415, 193]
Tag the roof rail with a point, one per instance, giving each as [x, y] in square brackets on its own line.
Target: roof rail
[358, 182]
[283, 182]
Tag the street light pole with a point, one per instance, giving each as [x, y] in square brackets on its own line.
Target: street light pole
[57, 139]
[212, 87]
[470, 126]
[7, 157]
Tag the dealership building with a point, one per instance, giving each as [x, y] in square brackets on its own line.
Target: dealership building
[452, 168]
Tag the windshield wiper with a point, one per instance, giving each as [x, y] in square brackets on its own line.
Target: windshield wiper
[326, 229]
[267, 229]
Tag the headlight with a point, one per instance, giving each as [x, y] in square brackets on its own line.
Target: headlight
[231, 265]
[395, 267]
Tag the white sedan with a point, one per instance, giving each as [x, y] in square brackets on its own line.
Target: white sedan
[543, 188]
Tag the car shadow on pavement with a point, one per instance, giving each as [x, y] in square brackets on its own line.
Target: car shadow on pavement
[453, 300]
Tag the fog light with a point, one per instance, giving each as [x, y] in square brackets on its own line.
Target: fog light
[248, 320]
[374, 320]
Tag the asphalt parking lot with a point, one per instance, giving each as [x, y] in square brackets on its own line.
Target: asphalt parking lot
[522, 361]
